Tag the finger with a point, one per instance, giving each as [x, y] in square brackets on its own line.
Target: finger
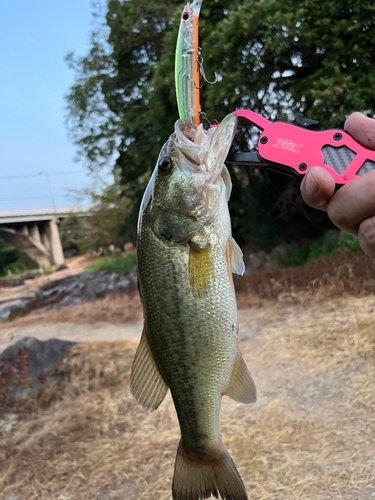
[366, 236]
[362, 129]
[353, 203]
[317, 188]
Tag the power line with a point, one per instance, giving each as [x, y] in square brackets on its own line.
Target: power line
[26, 189]
[17, 198]
[37, 175]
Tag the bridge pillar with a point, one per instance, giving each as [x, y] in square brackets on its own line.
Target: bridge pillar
[56, 248]
[45, 236]
[24, 230]
[34, 232]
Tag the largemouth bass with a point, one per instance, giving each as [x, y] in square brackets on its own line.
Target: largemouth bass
[186, 255]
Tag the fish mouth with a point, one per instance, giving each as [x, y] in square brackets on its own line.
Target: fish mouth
[199, 150]
[187, 129]
[191, 145]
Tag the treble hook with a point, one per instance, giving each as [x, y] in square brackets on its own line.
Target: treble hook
[201, 71]
[203, 116]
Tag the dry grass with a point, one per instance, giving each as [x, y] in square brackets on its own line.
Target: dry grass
[326, 277]
[113, 309]
[310, 436]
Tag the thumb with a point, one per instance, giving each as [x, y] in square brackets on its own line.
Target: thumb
[362, 129]
[317, 188]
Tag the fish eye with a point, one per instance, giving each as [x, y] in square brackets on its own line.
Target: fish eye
[165, 164]
[185, 16]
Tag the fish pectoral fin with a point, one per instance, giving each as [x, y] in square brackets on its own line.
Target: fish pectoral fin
[241, 386]
[200, 268]
[146, 383]
[238, 265]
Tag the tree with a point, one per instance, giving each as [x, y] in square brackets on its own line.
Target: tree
[274, 57]
[13, 261]
[104, 226]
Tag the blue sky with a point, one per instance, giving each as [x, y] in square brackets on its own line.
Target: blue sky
[34, 39]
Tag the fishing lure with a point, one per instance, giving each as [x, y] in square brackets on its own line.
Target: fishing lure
[187, 65]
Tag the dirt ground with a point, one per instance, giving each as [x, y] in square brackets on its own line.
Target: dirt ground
[310, 435]
[75, 265]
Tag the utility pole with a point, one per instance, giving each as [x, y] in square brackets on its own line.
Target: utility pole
[43, 172]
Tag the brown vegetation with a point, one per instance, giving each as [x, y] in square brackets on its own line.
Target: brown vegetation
[113, 309]
[332, 276]
[309, 436]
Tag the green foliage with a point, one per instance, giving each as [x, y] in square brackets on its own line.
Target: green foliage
[121, 265]
[274, 57]
[104, 226]
[8, 255]
[47, 271]
[346, 243]
[14, 261]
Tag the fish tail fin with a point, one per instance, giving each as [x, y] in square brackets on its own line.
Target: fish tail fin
[214, 475]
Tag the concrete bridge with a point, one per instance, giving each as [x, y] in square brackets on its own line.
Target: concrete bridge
[35, 231]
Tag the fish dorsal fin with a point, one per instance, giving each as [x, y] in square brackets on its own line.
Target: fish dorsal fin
[241, 387]
[146, 383]
[238, 265]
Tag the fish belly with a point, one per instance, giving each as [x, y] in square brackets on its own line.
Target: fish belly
[193, 339]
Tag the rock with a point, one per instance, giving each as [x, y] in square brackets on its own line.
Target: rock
[62, 267]
[100, 290]
[25, 364]
[13, 282]
[20, 308]
[280, 252]
[71, 291]
[256, 260]
[37, 273]
[331, 237]
[124, 285]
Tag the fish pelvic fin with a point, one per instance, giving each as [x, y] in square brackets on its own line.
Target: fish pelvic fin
[234, 259]
[238, 265]
[213, 475]
[146, 383]
[241, 386]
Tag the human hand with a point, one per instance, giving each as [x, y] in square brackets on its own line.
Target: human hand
[352, 207]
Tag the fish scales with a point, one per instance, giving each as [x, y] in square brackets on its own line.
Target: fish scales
[180, 327]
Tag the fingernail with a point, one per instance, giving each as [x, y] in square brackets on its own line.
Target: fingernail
[311, 185]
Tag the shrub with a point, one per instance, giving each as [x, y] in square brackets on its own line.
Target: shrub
[121, 265]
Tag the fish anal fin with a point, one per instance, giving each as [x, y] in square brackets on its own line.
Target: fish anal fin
[200, 269]
[238, 265]
[146, 383]
[241, 386]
